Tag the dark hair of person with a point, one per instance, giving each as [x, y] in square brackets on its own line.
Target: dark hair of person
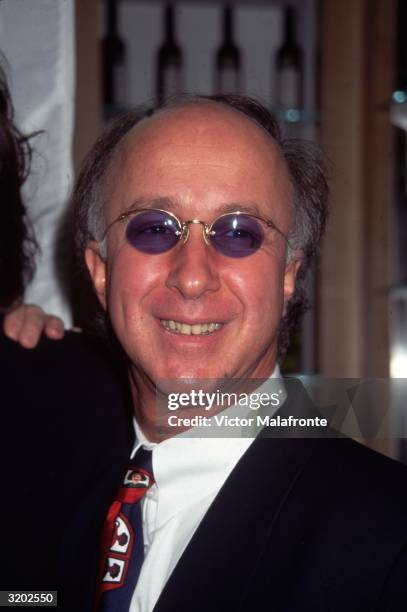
[304, 162]
[17, 243]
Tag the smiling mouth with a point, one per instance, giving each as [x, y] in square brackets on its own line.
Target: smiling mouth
[197, 329]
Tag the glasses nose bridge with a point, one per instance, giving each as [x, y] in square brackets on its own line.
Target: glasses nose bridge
[205, 229]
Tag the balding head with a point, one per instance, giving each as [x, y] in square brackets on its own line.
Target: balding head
[196, 137]
[229, 116]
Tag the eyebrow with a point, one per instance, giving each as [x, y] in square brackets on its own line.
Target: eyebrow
[158, 202]
[169, 204]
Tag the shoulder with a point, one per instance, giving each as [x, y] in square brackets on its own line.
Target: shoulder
[337, 475]
[349, 459]
[75, 349]
[72, 360]
[60, 384]
[352, 475]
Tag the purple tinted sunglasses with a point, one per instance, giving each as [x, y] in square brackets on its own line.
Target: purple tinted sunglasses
[155, 231]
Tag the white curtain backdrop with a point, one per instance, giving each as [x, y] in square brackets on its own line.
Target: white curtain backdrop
[37, 40]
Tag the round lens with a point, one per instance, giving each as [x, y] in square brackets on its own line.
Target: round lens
[237, 235]
[152, 231]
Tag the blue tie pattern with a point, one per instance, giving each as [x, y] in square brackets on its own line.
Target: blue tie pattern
[122, 539]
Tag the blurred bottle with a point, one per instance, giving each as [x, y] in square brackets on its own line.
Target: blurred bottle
[289, 76]
[114, 64]
[169, 60]
[228, 63]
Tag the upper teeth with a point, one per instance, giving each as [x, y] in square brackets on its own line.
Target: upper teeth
[196, 329]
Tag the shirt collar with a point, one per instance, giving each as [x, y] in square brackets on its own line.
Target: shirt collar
[193, 467]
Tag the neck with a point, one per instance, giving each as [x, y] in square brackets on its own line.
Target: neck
[182, 402]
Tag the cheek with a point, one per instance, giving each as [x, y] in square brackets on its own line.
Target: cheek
[131, 278]
[260, 287]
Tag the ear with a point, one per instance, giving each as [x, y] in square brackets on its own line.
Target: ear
[290, 276]
[97, 269]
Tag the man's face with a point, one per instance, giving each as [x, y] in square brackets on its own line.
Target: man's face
[197, 161]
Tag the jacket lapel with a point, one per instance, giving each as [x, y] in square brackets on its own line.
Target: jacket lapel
[78, 561]
[214, 573]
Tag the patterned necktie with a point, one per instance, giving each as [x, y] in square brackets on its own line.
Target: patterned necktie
[122, 552]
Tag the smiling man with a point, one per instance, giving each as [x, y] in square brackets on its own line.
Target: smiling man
[203, 306]
[197, 225]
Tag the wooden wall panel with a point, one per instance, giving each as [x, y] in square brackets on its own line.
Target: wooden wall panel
[357, 80]
[88, 114]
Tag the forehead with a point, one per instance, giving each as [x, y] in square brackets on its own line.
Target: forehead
[206, 152]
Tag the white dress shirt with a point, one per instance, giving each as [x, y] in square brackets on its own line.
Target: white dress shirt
[188, 472]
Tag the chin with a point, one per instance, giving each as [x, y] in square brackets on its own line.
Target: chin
[187, 376]
[186, 385]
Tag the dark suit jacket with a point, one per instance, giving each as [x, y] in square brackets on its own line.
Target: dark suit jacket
[300, 524]
[64, 433]
[304, 524]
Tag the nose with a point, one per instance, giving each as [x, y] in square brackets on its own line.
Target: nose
[193, 270]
